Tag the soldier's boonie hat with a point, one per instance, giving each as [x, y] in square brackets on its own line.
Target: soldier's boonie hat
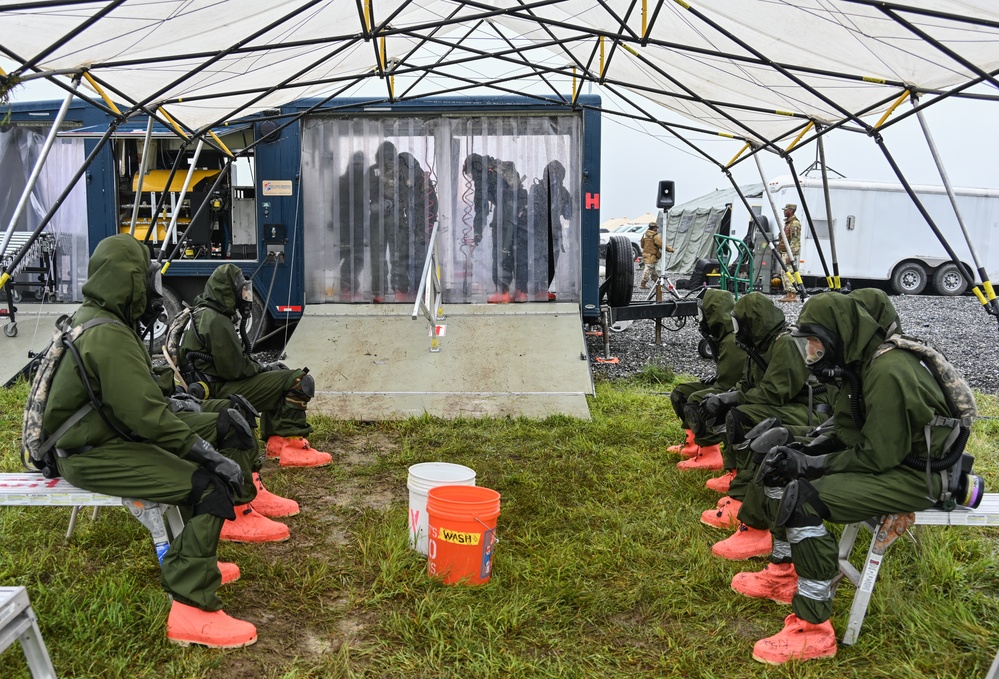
[790, 206]
[653, 225]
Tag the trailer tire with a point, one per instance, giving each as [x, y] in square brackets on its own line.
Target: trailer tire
[620, 271]
[704, 350]
[949, 282]
[909, 278]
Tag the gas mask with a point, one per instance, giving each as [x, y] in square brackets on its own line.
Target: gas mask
[820, 349]
[702, 322]
[154, 295]
[244, 294]
[743, 333]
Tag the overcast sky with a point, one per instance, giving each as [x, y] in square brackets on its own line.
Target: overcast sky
[635, 156]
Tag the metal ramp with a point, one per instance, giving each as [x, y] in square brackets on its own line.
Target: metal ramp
[35, 324]
[373, 362]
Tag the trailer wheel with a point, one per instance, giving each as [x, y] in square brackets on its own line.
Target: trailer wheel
[948, 281]
[171, 307]
[704, 349]
[620, 271]
[909, 278]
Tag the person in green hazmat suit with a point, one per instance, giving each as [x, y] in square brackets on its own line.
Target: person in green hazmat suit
[499, 190]
[134, 445]
[212, 351]
[775, 383]
[886, 404]
[714, 319]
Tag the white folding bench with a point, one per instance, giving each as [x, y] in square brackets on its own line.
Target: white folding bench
[886, 530]
[34, 490]
[18, 622]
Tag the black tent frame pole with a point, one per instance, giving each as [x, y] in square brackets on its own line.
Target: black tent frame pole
[936, 14]
[808, 218]
[820, 143]
[33, 61]
[425, 40]
[767, 237]
[166, 191]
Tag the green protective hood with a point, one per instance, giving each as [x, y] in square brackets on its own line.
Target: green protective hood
[877, 304]
[220, 290]
[764, 320]
[843, 316]
[718, 305]
[116, 277]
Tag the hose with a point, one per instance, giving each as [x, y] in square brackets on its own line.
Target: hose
[915, 462]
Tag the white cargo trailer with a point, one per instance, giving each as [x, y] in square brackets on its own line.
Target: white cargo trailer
[881, 236]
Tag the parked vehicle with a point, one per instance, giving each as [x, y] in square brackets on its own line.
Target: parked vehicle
[633, 232]
[880, 235]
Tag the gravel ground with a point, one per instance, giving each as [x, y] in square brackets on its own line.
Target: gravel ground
[958, 326]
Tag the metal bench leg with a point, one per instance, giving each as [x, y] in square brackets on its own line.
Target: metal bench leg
[25, 629]
[72, 520]
[889, 529]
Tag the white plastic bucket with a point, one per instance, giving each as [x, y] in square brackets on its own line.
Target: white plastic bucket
[423, 477]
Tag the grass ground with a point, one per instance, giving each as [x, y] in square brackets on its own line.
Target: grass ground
[602, 569]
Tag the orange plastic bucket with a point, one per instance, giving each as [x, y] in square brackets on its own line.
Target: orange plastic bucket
[462, 532]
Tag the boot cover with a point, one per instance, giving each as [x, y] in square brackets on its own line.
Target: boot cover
[720, 484]
[188, 625]
[499, 298]
[708, 457]
[270, 505]
[295, 451]
[251, 526]
[229, 571]
[799, 640]
[519, 297]
[745, 543]
[777, 582]
[686, 444]
[689, 451]
[725, 515]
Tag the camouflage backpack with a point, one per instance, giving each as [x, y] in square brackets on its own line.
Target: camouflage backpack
[36, 446]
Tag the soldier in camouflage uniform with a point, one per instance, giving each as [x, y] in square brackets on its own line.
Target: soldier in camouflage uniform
[550, 203]
[792, 229]
[417, 219]
[388, 228]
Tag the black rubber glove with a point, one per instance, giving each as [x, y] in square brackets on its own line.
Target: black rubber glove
[184, 403]
[206, 456]
[717, 405]
[276, 365]
[783, 464]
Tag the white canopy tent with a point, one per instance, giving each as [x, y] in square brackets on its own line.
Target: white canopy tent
[770, 74]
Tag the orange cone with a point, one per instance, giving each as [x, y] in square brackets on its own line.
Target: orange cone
[252, 526]
[799, 640]
[777, 582]
[745, 543]
[295, 451]
[270, 505]
[721, 484]
[188, 625]
[708, 457]
[725, 515]
[229, 571]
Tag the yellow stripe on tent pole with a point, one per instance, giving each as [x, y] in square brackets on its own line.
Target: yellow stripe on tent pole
[219, 142]
[574, 84]
[100, 91]
[797, 278]
[891, 109]
[829, 283]
[367, 15]
[741, 151]
[989, 291]
[173, 122]
[839, 282]
[382, 53]
[166, 265]
[811, 124]
[979, 295]
[3, 73]
[645, 18]
[3, 280]
[602, 57]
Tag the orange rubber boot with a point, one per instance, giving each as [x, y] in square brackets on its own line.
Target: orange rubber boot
[295, 451]
[499, 298]
[799, 640]
[721, 484]
[708, 457]
[725, 515]
[520, 297]
[745, 543]
[777, 582]
[188, 625]
[251, 526]
[270, 505]
[687, 444]
[229, 571]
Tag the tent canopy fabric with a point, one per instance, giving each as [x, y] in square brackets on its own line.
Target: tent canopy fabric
[756, 70]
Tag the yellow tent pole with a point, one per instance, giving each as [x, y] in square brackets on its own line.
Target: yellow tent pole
[601, 57]
[219, 142]
[811, 124]
[574, 83]
[741, 151]
[382, 53]
[173, 123]
[367, 15]
[100, 91]
[645, 17]
[891, 109]
[3, 73]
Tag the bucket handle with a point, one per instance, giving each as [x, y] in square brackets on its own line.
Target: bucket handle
[495, 539]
